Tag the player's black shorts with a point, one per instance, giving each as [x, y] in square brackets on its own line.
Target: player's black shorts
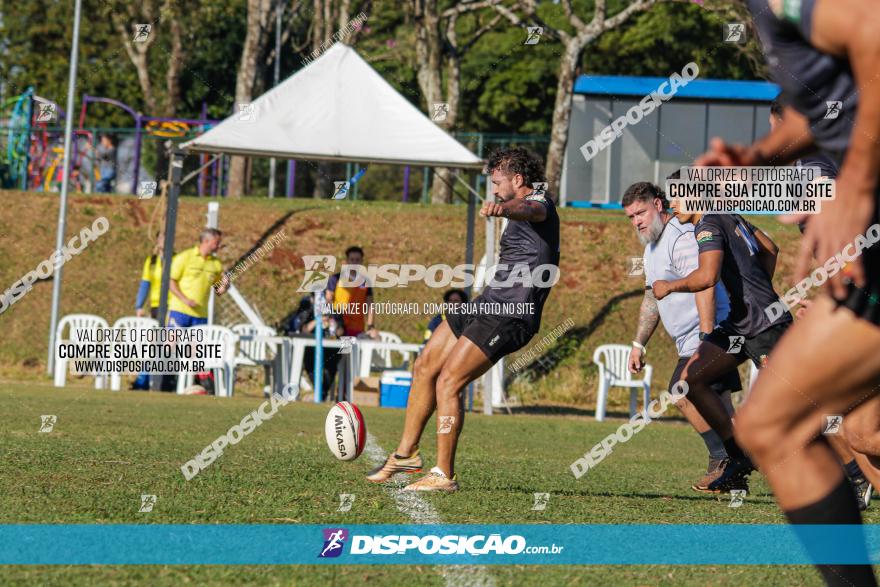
[496, 336]
[756, 348]
[730, 381]
[865, 301]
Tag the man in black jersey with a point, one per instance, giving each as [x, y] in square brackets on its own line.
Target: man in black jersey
[500, 321]
[824, 54]
[744, 258]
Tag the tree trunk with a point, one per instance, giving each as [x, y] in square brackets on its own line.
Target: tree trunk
[441, 188]
[257, 15]
[561, 115]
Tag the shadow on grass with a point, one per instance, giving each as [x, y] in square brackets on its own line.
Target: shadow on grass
[564, 347]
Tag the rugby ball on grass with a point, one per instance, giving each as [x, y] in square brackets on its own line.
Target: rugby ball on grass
[346, 431]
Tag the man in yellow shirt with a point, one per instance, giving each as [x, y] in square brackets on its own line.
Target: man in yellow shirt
[193, 272]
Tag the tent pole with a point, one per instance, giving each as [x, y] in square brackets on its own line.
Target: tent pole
[65, 182]
[469, 244]
[175, 171]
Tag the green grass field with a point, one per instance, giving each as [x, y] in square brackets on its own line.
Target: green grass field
[107, 449]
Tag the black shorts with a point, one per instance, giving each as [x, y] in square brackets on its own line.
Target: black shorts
[730, 381]
[865, 301]
[756, 348]
[496, 336]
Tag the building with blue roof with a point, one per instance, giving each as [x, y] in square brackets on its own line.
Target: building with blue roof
[672, 135]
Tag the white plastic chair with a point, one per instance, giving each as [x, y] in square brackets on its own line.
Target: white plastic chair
[384, 355]
[224, 372]
[254, 353]
[76, 322]
[130, 322]
[613, 372]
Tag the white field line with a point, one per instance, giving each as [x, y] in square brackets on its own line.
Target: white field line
[422, 512]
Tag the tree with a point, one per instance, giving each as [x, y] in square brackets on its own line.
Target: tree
[573, 45]
[256, 35]
[433, 52]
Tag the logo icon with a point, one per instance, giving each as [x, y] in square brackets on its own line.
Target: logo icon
[318, 271]
[446, 423]
[147, 503]
[147, 190]
[494, 340]
[534, 35]
[736, 498]
[541, 500]
[539, 188]
[334, 540]
[340, 189]
[141, 32]
[637, 266]
[346, 500]
[832, 109]
[734, 32]
[47, 423]
[45, 112]
[247, 112]
[832, 424]
[347, 342]
[440, 111]
[736, 344]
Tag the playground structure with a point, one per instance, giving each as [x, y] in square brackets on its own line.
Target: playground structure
[32, 156]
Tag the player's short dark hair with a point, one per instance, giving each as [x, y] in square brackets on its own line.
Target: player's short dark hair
[517, 160]
[451, 292]
[354, 249]
[643, 191]
[778, 105]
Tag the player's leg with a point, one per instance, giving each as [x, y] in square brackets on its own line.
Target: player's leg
[852, 467]
[713, 442]
[423, 394]
[861, 439]
[710, 363]
[419, 406]
[465, 364]
[805, 380]
[482, 343]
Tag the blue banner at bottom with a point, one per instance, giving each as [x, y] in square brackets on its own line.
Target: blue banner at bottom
[524, 544]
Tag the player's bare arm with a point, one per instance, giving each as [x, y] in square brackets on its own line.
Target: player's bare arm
[516, 209]
[649, 318]
[848, 28]
[706, 276]
[705, 301]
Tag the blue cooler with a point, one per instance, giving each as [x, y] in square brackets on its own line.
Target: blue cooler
[394, 389]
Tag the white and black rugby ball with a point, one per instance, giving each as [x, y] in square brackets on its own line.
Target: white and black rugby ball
[346, 431]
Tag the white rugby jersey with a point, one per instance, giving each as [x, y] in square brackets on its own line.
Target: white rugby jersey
[672, 257]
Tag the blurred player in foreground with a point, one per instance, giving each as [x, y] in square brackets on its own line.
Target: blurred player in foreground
[826, 56]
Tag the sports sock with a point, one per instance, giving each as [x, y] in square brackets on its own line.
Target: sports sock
[714, 445]
[853, 471]
[838, 507]
[733, 449]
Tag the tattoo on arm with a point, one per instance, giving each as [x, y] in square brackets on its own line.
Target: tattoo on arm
[649, 317]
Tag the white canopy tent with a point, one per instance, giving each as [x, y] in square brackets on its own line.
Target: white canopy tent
[338, 108]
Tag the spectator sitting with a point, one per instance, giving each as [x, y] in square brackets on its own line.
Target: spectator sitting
[359, 320]
[304, 323]
[452, 296]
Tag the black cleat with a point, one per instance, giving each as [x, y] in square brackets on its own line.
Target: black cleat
[863, 491]
[735, 475]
